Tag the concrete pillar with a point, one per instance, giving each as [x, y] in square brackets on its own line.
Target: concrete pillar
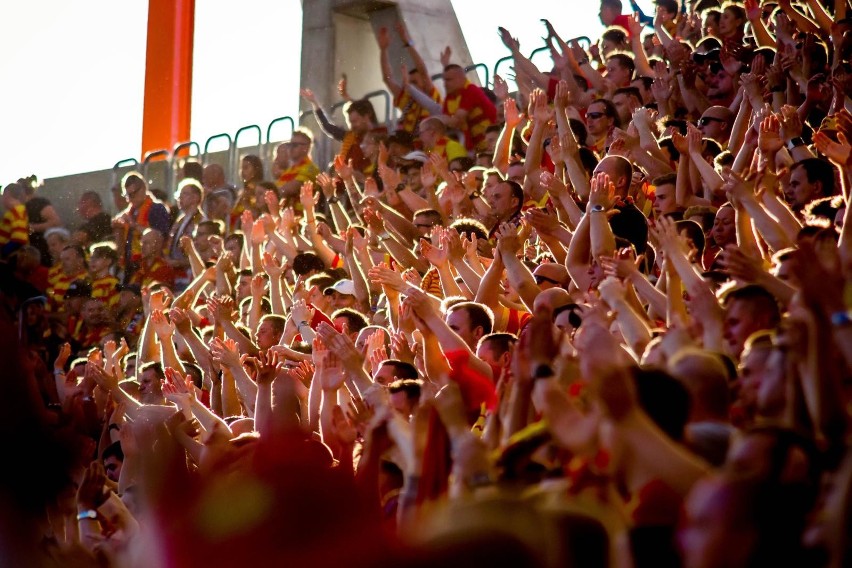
[338, 36]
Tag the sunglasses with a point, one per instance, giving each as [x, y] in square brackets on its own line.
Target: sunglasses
[542, 279]
[575, 315]
[595, 115]
[705, 120]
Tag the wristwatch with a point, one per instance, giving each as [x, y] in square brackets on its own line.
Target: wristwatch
[597, 209]
[400, 187]
[841, 319]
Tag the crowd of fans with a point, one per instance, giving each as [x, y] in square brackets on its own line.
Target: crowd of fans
[600, 321]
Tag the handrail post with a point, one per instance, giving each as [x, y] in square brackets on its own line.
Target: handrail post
[236, 157]
[176, 155]
[230, 150]
[149, 157]
[270, 151]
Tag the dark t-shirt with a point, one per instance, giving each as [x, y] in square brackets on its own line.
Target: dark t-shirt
[630, 224]
[99, 227]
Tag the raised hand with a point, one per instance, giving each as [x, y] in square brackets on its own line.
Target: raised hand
[62, 357]
[446, 54]
[309, 96]
[602, 192]
[769, 136]
[838, 152]
[91, 493]
[382, 274]
[437, 256]
[268, 367]
[343, 168]
[225, 352]
[162, 327]
[501, 89]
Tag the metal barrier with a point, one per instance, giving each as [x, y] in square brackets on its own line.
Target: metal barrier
[205, 158]
[175, 160]
[160, 155]
[125, 163]
[388, 105]
[236, 157]
[269, 150]
[484, 67]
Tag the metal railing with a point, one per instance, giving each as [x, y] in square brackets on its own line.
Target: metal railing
[269, 150]
[177, 159]
[237, 157]
[205, 157]
[125, 163]
[322, 145]
[158, 156]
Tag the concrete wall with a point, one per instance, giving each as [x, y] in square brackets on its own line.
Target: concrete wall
[338, 36]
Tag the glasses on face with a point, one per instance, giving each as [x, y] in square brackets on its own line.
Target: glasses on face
[130, 191]
[595, 115]
[705, 120]
[539, 279]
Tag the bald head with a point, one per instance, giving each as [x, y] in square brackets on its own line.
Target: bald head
[706, 378]
[552, 299]
[213, 177]
[551, 275]
[620, 173]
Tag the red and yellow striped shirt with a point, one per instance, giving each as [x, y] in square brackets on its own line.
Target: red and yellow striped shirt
[57, 288]
[15, 226]
[106, 289]
[155, 271]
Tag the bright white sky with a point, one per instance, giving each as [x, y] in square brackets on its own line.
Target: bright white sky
[73, 76]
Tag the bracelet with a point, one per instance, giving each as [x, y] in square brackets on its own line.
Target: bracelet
[333, 199]
[114, 427]
[841, 319]
[301, 323]
[400, 187]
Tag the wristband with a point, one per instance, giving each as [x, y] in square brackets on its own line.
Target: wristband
[88, 514]
[543, 371]
[333, 199]
[114, 427]
[400, 187]
[301, 323]
[597, 209]
[795, 142]
[841, 319]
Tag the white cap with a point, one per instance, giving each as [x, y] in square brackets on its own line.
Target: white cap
[345, 286]
[416, 156]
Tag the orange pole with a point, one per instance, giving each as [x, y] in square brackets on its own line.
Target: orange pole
[168, 74]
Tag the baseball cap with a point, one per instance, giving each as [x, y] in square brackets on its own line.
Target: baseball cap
[416, 156]
[344, 286]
